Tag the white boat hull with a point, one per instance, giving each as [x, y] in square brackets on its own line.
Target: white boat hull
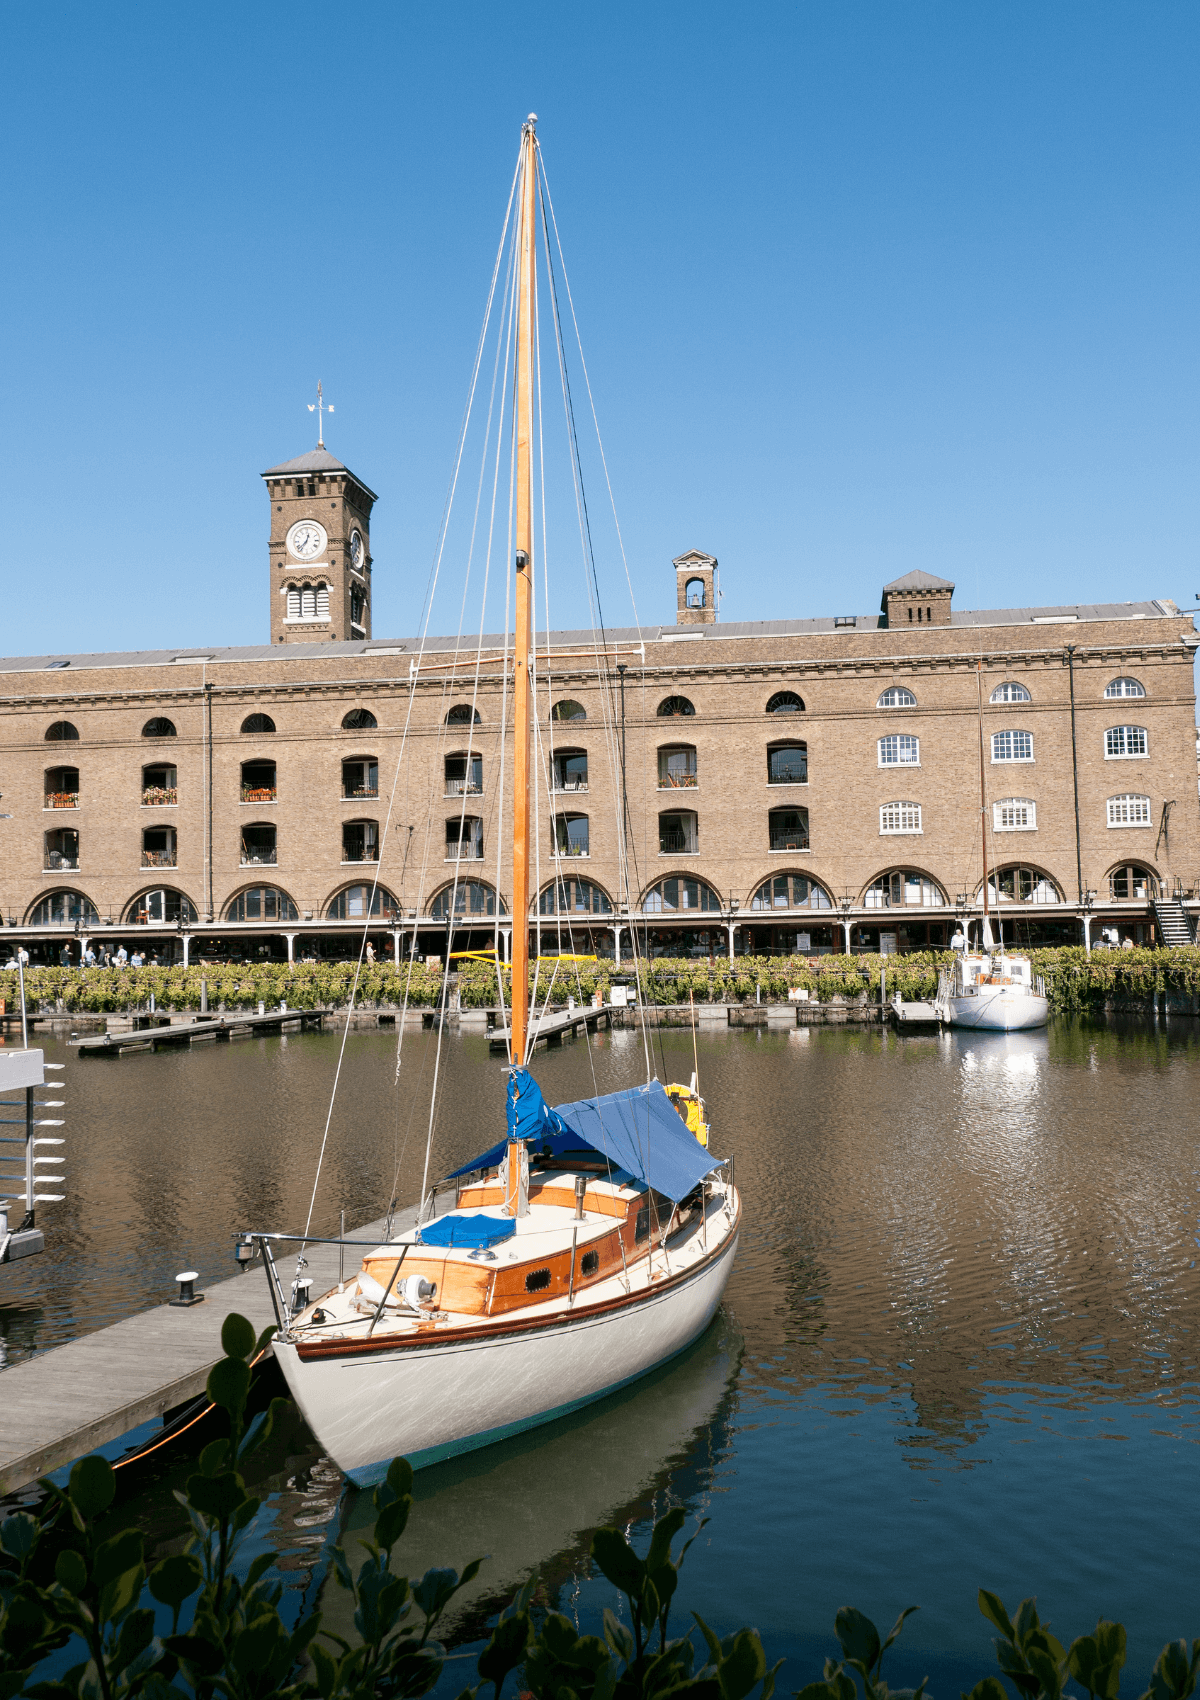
[998, 1010]
[432, 1402]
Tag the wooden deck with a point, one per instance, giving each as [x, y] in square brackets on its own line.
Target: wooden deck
[552, 1029]
[914, 1014]
[151, 1033]
[67, 1401]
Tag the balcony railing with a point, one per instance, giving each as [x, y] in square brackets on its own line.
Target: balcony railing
[156, 796]
[569, 782]
[56, 859]
[467, 851]
[259, 793]
[62, 799]
[1132, 890]
[571, 850]
[783, 840]
[362, 856]
[788, 775]
[360, 791]
[677, 844]
[158, 858]
[677, 781]
[464, 788]
[259, 858]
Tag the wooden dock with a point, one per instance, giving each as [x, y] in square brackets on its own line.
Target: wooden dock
[552, 1029]
[914, 1014]
[70, 1400]
[152, 1032]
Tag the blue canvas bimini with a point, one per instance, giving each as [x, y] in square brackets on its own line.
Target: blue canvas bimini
[471, 1232]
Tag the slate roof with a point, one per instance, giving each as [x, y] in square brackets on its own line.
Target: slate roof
[918, 580]
[316, 460]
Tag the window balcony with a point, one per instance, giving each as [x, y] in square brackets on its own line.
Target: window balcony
[159, 796]
[677, 844]
[464, 852]
[784, 839]
[57, 860]
[259, 858]
[681, 781]
[570, 783]
[366, 855]
[788, 776]
[62, 800]
[462, 787]
[158, 858]
[259, 793]
[361, 791]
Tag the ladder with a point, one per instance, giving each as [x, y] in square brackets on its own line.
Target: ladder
[1175, 925]
[26, 1164]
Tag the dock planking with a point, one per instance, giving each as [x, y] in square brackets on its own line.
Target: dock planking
[153, 1038]
[65, 1402]
[551, 1029]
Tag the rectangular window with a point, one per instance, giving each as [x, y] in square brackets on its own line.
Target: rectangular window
[1014, 814]
[1125, 741]
[1012, 746]
[293, 604]
[1129, 811]
[899, 750]
[900, 817]
[322, 602]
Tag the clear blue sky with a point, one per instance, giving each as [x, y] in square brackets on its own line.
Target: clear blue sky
[863, 288]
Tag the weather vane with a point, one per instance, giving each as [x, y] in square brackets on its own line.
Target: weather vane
[320, 408]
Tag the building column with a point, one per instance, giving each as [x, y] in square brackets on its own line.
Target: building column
[1087, 933]
[291, 940]
[616, 933]
[396, 947]
[187, 939]
[729, 927]
[846, 927]
[506, 935]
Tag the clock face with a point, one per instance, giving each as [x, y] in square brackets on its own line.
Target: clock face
[306, 540]
[357, 552]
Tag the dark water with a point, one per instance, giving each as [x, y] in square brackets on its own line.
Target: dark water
[958, 1349]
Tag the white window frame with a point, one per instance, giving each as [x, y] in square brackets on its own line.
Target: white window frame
[902, 695]
[900, 820]
[1122, 734]
[1011, 732]
[1012, 690]
[1114, 695]
[908, 750]
[1128, 800]
[1021, 810]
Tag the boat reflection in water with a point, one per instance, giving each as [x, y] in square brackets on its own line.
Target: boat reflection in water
[618, 1462]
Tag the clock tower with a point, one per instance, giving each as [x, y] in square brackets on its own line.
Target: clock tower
[320, 551]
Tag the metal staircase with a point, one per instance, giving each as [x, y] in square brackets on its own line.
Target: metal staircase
[1175, 925]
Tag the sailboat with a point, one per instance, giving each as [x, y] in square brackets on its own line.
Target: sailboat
[587, 1246]
[990, 988]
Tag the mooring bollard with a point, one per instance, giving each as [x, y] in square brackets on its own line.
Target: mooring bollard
[204, 997]
[186, 1295]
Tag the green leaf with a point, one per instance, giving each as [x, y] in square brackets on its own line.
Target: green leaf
[216, 1496]
[665, 1531]
[992, 1608]
[197, 1651]
[988, 1688]
[214, 1458]
[1174, 1674]
[1095, 1661]
[505, 1650]
[434, 1589]
[264, 1426]
[826, 1691]
[742, 1667]
[400, 1477]
[237, 1336]
[116, 1557]
[618, 1561]
[172, 1581]
[19, 1534]
[858, 1636]
[326, 1672]
[229, 1383]
[71, 1571]
[391, 1523]
[92, 1486]
[894, 1632]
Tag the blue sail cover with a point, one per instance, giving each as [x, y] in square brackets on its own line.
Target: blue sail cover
[639, 1131]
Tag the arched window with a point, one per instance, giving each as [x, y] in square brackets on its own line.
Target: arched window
[259, 845]
[1010, 691]
[353, 902]
[1012, 746]
[464, 775]
[159, 849]
[1014, 814]
[678, 834]
[1122, 743]
[1133, 882]
[1019, 884]
[899, 749]
[62, 732]
[900, 818]
[671, 706]
[61, 849]
[570, 770]
[160, 907]
[787, 764]
[569, 896]
[693, 593]
[791, 891]
[677, 767]
[897, 697]
[571, 835]
[359, 720]
[468, 897]
[63, 909]
[788, 829]
[160, 785]
[159, 727]
[464, 839]
[258, 782]
[1124, 688]
[308, 602]
[903, 888]
[360, 841]
[262, 903]
[1129, 810]
[567, 710]
[672, 895]
[61, 788]
[360, 777]
[254, 724]
[785, 702]
[462, 714]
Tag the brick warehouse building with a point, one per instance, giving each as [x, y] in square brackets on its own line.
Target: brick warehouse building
[791, 784]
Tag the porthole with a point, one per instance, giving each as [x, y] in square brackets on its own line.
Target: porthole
[590, 1264]
[641, 1229]
[537, 1280]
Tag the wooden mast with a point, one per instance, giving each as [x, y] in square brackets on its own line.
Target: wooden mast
[526, 259]
[982, 808]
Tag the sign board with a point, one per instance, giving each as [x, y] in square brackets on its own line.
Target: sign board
[19, 1069]
[887, 944]
[803, 943]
